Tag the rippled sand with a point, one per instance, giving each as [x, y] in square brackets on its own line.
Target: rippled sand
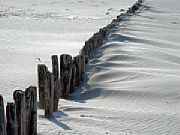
[132, 86]
[39, 28]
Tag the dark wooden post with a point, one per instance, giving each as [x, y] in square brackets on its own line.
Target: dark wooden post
[62, 70]
[82, 64]
[51, 91]
[73, 79]
[2, 117]
[34, 110]
[49, 94]
[94, 41]
[19, 98]
[31, 110]
[41, 84]
[28, 109]
[88, 49]
[11, 119]
[55, 71]
[65, 74]
[76, 63]
[91, 49]
[85, 52]
[102, 33]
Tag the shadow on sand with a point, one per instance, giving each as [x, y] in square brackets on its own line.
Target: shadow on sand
[59, 114]
[85, 91]
[62, 125]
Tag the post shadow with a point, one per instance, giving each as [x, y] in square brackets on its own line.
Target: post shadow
[60, 124]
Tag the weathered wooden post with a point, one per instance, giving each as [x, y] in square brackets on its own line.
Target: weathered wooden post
[34, 111]
[28, 109]
[41, 84]
[82, 64]
[96, 40]
[85, 52]
[2, 117]
[73, 79]
[11, 119]
[76, 63]
[65, 74]
[49, 94]
[102, 33]
[19, 98]
[100, 40]
[91, 49]
[55, 71]
[31, 110]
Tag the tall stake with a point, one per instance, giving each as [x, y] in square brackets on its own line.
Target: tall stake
[19, 98]
[31, 110]
[55, 71]
[49, 94]
[2, 117]
[41, 84]
[65, 74]
[11, 119]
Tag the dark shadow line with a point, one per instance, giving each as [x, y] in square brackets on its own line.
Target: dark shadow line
[62, 125]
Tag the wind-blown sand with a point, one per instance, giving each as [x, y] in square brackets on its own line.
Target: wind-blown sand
[132, 86]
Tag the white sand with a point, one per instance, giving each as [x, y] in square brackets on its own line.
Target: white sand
[32, 29]
[133, 86]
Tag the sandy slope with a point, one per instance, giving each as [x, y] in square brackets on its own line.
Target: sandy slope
[132, 87]
[32, 29]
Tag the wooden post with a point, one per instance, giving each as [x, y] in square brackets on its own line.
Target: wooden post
[95, 41]
[82, 64]
[55, 71]
[102, 33]
[31, 110]
[41, 84]
[91, 49]
[85, 52]
[2, 117]
[35, 110]
[51, 88]
[87, 49]
[73, 79]
[49, 94]
[62, 74]
[19, 98]
[65, 74]
[28, 109]
[68, 73]
[11, 119]
[76, 63]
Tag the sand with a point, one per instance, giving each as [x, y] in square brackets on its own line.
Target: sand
[130, 88]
